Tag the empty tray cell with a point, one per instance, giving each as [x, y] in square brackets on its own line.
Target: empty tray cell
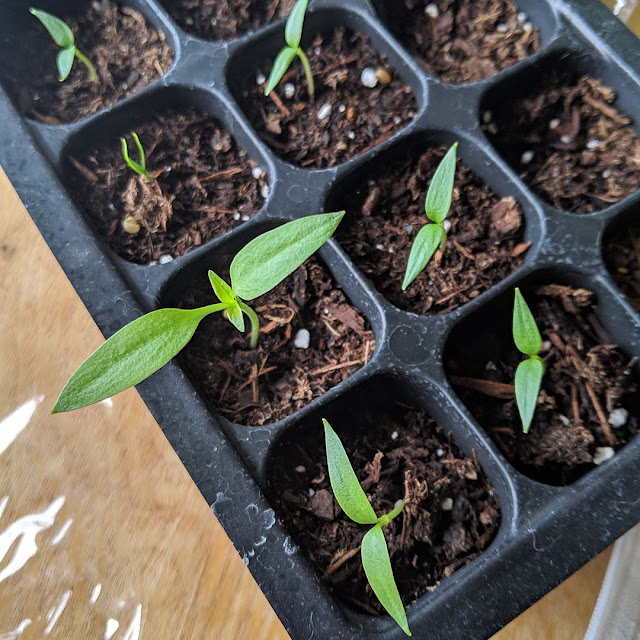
[205, 184]
[311, 339]
[462, 41]
[126, 51]
[588, 406]
[225, 19]
[385, 202]
[398, 452]
[359, 101]
[566, 138]
[621, 247]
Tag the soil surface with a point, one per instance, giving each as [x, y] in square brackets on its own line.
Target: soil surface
[357, 117]
[386, 211]
[226, 19]
[204, 187]
[451, 517]
[256, 387]
[622, 256]
[569, 143]
[126, 51]
[588, 384]
[463, 40]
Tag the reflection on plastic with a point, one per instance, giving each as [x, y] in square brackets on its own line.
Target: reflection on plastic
[624, 9]
[16, 422]
[17, 632]
[56, 612]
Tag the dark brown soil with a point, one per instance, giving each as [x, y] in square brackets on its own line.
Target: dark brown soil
[397, 452]
[468, 40]
[226, 19]
[268, 384]
[569, 143]
[622, 256]
[127, 52]
[204, 187]
[587, 378]
[360, 117]
[385, 212]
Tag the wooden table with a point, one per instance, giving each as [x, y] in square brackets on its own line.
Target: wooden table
[101, 529]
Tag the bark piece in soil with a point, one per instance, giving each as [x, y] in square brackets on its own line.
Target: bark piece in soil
[468, 40]
[359, 118]
[386, 211]
[397, 452]
[622, 257]
[226, 19]
[204, 187]
[568, 141]
[587, 377]
[127, 52]
[262, 386]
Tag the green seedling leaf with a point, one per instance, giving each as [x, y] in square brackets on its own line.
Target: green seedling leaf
[280, 66]
[377, 567]
[64, 62]
[429, 238]
[344, 482]
[528, 381]
[268, 259]
[223, 291]
[139, 167]
[131, 355]
[440, 192]
[525, 331]
[295, 23]
[59, 31]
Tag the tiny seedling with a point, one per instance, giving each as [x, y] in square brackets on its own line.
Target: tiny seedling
[148, 343]
[353, 501]
[530, 371]
[62, 35]
[139, 167]
[437, 206]
[293, 36]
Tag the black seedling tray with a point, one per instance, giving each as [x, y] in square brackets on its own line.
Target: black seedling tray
[547, 532]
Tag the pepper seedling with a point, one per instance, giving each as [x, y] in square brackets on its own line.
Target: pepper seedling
[148, 343]
[437, 207]
[62, 35]
[293, 36]
[530, 371]
[374, 553]
[139, 167]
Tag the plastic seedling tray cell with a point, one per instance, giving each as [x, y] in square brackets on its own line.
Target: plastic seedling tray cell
[546, 532]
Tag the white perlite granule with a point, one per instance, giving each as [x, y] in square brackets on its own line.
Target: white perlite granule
[603, 454]
[324, 111]
[302, 339]
[618, 417]
[368, 77]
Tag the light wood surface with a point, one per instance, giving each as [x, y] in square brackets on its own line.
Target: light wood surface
[113, 504]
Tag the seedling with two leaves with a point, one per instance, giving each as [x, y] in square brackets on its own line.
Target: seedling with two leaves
[151, 341]
[62, 35]
[437, 206]
[140, 167]
[374, 553]
[530, 371]
[293, 36]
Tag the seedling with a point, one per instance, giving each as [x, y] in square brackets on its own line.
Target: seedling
[62, 35]
[139, 167]
[530, 371]
[437, 206]
[151, 341]
[293, 36]
[353, 501]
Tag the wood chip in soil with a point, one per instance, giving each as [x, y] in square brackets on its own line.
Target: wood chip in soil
[622, 257]
[451, 517]
[569, 142]
[358, 117]
[463, 40]
[587, 390]
[127, 52]
[262, 386]
[204, 187]
[386, 211]
[226, 19]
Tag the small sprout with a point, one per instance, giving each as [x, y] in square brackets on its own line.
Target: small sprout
[62, 35]
[293, 36]
[353, 501]
[437, 206]
[148, 343]
[530, 371]
[139, 167]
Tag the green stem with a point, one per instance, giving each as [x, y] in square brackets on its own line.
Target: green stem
[443, 244]
[307, 71]
[255, 323]
[214, 308]
[87, 63]
[397, 510]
